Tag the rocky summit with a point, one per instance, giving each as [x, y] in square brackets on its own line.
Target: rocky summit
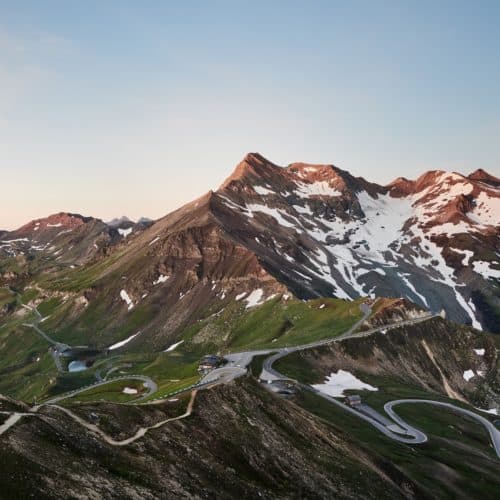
[323, 232]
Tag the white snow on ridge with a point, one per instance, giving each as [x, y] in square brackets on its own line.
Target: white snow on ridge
[153, 241]
[173, 346]
[448, 228]
[436, 263]
[125, 297]
[125, 232]
[240, 296]
[59, 224]
[412, 288]
[395, 233]
[273, 212]
[487, 210]
[255, 297]
[480, 352]
[303, 210]
[318, 188]
[337, 383]
[468, 374]
[483, 268]
[122, 342]
[161, 279]
[468, 254]
[262, 190]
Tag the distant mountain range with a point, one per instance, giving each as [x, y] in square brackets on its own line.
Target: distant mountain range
[306, 230]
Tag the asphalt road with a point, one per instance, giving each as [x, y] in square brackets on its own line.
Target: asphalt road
[410, 434]
[58, 346]
[236, 366]
[492, 430]
[149, 384]
[398, 429]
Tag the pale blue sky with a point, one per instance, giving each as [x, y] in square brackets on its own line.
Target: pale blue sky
[116, 107]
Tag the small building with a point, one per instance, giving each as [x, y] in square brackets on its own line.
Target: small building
[353, 401]
[209, 363]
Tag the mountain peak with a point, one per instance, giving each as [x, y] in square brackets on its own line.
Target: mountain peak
[119, 221]
[60, 219]
[252, 166]
[483, 176]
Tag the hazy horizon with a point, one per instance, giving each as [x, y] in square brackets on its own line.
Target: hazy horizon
[116, 108]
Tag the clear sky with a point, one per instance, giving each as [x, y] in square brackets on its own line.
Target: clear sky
[134, 107]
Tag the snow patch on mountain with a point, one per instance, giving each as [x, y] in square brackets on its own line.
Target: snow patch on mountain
[173, 346]
[160, 279]
[255, 298]
[273, 212]
[123, 342]
[303, 210]
[484, 269]
[125, 232]
[468, 254]
[125, 297]
[412, 288]
[487, 210]
[318, 188]
[263, 191]
[337, 383]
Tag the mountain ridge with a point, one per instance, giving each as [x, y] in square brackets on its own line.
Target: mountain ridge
[318, 231]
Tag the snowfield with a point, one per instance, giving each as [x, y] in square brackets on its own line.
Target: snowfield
[483, 268]
[125, 232]
[125, 297]
[173, 346]
[254, 299]
[262, 190]
[318, 188]
[123, 342]
[129, 390]
[161, 279]
[337, 383]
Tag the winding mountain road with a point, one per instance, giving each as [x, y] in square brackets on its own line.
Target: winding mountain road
[398, 430]
[237, 363]
[492, 430]
[148, 383]
[269, 374]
